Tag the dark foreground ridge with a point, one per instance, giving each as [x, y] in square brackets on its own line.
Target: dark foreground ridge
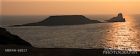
[119, 18]
[70, 52]
[9, 40]
[80, 52]
[63, 20]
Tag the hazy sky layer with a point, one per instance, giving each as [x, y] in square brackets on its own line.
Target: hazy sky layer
[47, 7]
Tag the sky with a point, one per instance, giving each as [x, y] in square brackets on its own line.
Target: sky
[57, 7]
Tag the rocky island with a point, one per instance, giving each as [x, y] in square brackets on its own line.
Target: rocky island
[119, 18]
[63, 20]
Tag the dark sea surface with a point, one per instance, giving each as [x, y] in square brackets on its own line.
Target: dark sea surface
[117, 35]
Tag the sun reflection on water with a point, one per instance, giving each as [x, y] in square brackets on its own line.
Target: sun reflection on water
[123, 36]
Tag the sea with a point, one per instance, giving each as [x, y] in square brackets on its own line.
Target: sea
[115, 35]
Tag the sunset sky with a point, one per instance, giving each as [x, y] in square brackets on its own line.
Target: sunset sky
[48, 7]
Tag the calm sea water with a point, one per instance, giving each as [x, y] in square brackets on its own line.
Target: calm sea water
[118, 35]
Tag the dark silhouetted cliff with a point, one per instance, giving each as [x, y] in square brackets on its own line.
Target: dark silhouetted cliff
[8, 39]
